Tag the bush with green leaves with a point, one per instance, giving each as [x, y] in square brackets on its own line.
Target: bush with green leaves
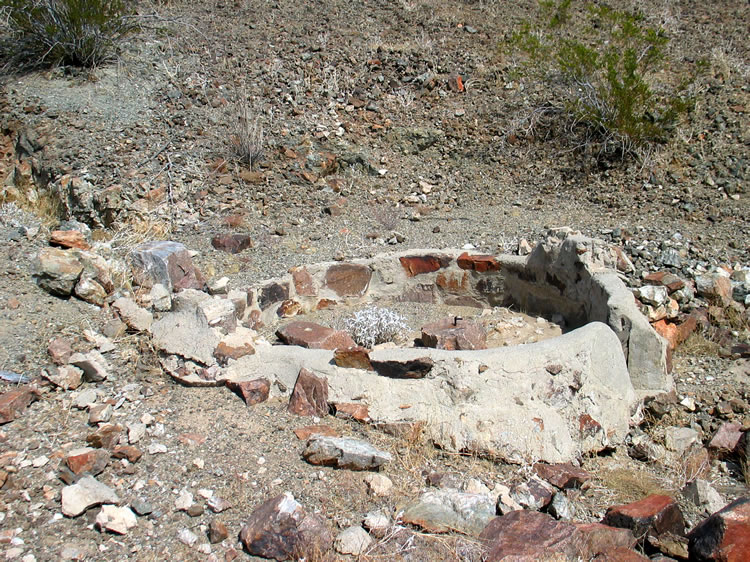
[602, 63]
[81, 33]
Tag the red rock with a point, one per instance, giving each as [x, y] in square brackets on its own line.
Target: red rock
[272, 293]
[406, 369]
[418, 265]
[304, 433]
[165, 262]
[282, 529]
[456, 83]
[133, 454]
[355, 357]
[13, 303]
[13, 402]
[314, 336]
[348, 279]
[357, 412]
[454, 334]
[106, 437]
[309, 396]
[69, 239]
[529, 536]
[655, 514]
[88, 460]
[480, 264]
[252, 392]
[217, 531]
[563, 475]
[715, 287]
[665, 279]
[304, 285]
[724, 536]
[224, 351]
[453, 281]
[588, 426]
[289, 308]
[726, 439]
[325, 303]
[232, 243]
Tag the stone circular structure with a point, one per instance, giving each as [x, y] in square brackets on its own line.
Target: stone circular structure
[553, 400]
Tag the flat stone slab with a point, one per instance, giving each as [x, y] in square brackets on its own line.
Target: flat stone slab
[446, 510]
[314, 336]
[344, 452]
[87, 492]
[186, 333]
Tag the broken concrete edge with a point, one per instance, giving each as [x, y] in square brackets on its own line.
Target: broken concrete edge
[569, 278]
[453, 411]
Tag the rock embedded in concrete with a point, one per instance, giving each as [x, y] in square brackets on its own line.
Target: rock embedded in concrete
[356, 357]
[272, 293]
[447, 509]
[234, 349]
[14, 402]
[304, 433]
[116, 519]
[281, 529]
[724, 536]
[454, 334]
[252, 392]
[349, 411]
[165, 262]
[348, 279]
[478, 263]
[421, 264]
[653, 515]
[309, 396]
[417, 368]
[344, 452]
[304, 285]
[57, 271]
[314, 336]
[232, 243]
[353, 540]
[84, 494]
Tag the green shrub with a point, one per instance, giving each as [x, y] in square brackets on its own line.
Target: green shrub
[600, 62]
[69, 32]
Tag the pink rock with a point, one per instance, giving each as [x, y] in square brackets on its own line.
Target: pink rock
[59, 350]
[314, 336]
[724, 536]
[232, 243]
[655, 514]
[348, 279]
[528, 536]
[303, 282]
[726, 439]
[454, 334]
[309, 396]
[283, 530]
[563, 475]
[106, 437]
[304, 433]
[225, 351]
[252, 392]
[357, 412]
[68, 239]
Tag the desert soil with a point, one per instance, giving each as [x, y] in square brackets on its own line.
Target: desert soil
[347, 79]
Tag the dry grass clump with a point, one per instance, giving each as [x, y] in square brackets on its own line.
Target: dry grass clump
[247, 140]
